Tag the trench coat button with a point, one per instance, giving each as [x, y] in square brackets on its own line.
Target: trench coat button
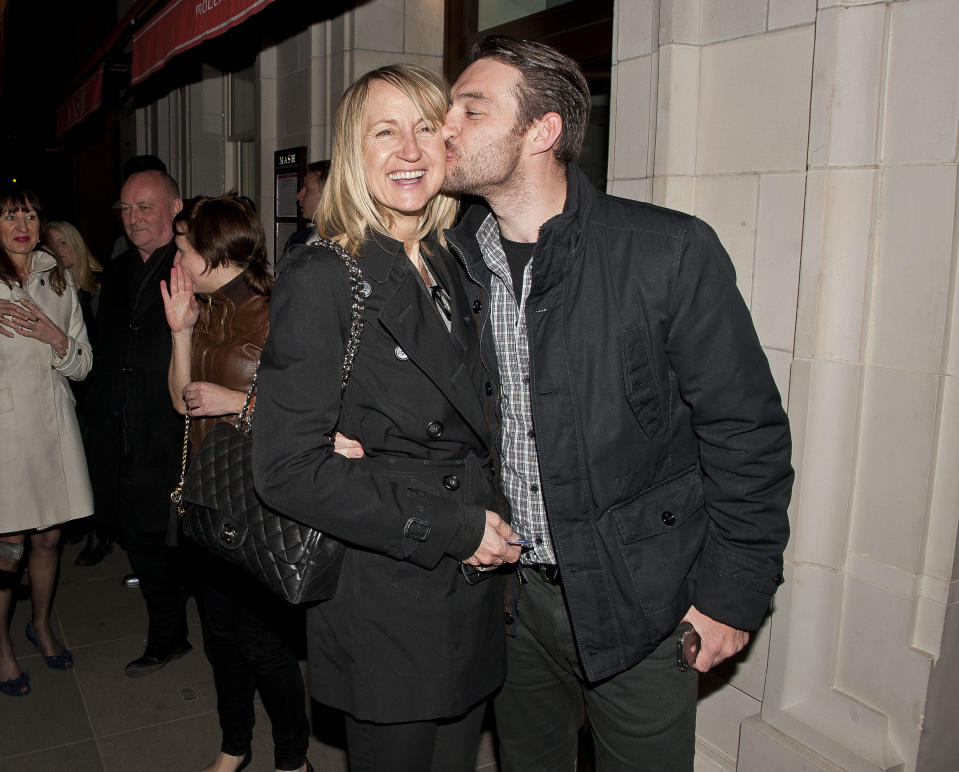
[400, 354]
[669, 518]
[451, 482]
[42, 282]
[477, 306]
[489, 389]
[509, 617]
[434, 429]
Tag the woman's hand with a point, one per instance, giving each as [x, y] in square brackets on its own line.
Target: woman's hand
[208, 399]
[29, 321]
[179, 302]
[493, 550]
[347, 447]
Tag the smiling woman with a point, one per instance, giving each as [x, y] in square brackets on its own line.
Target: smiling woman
[43, 471]
[410, 645]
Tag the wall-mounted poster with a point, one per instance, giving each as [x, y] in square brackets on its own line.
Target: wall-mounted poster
[289, 169]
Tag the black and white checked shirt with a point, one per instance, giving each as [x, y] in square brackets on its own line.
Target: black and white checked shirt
[520, 463]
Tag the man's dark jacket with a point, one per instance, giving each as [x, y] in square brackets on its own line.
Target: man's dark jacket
[135, 434]
[663, 446]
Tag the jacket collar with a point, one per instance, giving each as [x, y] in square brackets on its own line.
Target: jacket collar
[41, 261]
[379, 254]
[410, 318]
[564, 229]
[235, 291]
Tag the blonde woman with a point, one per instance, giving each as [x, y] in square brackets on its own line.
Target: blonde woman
[74, 255]
[407, 647]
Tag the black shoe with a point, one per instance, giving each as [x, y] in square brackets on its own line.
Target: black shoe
[150, 663]
[131, 580]
[96, 550]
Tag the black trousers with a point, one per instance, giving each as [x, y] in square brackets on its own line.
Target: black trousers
[641, 719]
[445, 745]
[246, 637]
[165, 585]
[165, 579]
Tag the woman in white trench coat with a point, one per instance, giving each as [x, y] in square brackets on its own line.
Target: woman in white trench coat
[43, 472]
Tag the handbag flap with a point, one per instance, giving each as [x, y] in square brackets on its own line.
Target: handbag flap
[220, 478]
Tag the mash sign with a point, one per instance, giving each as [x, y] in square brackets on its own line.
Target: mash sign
[81, 103]
[182, 25]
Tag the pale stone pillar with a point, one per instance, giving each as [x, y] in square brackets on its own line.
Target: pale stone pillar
[820, 140]
[266, 135]
[862, 617]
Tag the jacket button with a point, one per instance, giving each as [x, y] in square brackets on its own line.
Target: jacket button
[477, 306]
[434, 429]
[489, 389]
[127, 371]
[451, 482]
[669, 518]
[509, 617]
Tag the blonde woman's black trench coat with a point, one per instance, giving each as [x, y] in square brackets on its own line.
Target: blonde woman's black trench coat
[405, 637]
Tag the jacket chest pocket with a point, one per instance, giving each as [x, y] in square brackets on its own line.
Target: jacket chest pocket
[639, 380]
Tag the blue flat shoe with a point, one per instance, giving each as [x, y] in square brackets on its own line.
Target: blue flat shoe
[16, 687]
[61, 661]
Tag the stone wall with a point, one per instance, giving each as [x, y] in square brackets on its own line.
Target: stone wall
[820, 142]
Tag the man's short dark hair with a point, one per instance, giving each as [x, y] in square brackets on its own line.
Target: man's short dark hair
[142, 163]
[320, 168]
[551, 82]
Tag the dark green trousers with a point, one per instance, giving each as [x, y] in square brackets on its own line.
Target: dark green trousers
[641, 719]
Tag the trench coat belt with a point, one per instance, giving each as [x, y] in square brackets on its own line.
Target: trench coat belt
[419, 467]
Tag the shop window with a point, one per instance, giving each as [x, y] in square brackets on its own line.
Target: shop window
[241, 167]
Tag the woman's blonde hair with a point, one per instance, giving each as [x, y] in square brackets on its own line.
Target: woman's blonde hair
[347, 211]
[86, 264]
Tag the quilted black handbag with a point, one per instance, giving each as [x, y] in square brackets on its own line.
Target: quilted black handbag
[220, 510]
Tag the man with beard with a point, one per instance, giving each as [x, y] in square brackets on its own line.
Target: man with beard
[136, 435]
[645, 451]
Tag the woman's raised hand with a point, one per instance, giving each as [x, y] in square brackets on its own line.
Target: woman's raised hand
[179, 302]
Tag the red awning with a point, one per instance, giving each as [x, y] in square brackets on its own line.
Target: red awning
[81, 103]
[182, 25]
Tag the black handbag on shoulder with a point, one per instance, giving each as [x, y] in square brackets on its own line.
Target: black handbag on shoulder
[220, 510]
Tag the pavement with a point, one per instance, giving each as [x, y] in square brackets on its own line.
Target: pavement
[94, 719]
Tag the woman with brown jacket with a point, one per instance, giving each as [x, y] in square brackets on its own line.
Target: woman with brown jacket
[217, 340]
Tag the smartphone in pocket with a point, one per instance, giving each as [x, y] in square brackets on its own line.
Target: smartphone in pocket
[688, 644]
